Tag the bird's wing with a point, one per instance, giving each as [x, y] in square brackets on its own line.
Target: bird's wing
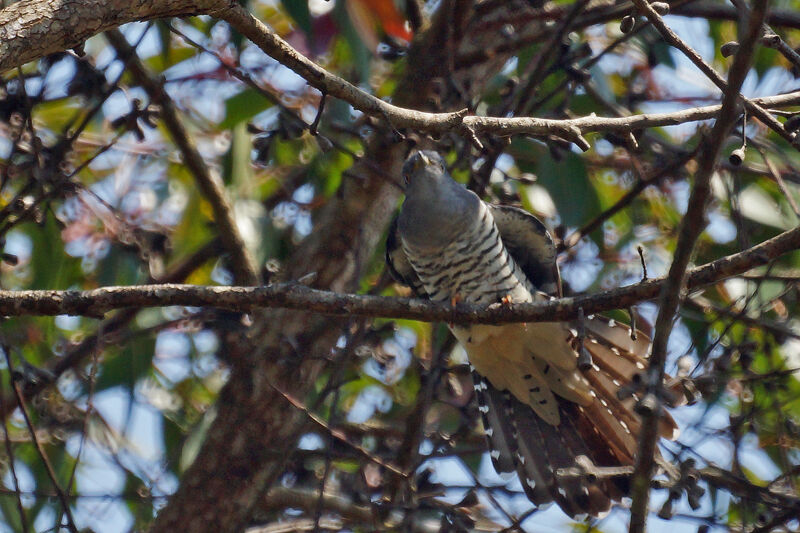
[399, 266]
[529, 243]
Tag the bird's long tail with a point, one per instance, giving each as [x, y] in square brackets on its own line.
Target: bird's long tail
[550, 458]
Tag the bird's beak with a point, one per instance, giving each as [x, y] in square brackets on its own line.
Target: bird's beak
[418, 162]
[415, 165]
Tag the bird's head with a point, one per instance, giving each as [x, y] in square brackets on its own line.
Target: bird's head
[423, 165]
[436, 206]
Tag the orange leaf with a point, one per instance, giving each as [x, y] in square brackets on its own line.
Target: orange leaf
[386, 14]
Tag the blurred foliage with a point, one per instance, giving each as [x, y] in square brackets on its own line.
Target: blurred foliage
[90, 198]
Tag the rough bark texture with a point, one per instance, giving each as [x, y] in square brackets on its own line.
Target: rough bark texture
[281, 353]
[299, 297]
[34, 28]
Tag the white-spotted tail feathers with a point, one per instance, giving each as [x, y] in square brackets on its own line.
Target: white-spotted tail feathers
[603, 429]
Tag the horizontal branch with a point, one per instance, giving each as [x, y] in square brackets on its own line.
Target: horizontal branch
[753, 108]
[96, 302]
[788, 18]
[32, 28]
[279, 498]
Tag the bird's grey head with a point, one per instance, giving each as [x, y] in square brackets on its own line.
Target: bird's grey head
[436, 209]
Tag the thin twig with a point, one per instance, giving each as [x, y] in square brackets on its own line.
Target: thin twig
[23, 520]
[643, 183]
[672, 38]
[315, 124]
[89, 408]
[776, 175]
[242, 262]
[38, 445]
[337, 433]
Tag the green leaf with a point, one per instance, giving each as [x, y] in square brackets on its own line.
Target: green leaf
[298, 9]
[243, 106]
[52, 267]
[662, 53]
[10, 513]
[241, 177]
[765, 59]
[134, 361]
[195, 439]
[174, 436]
[119, 267]
[566, 181]
[351, 49]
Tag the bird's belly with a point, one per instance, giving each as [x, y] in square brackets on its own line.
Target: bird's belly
[476, 283]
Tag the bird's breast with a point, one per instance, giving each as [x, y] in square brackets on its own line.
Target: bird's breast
[474, 267]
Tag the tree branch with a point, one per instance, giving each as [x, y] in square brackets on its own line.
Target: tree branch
[233, 468]
[95, 302]
[693, 224]
[18, 37]
[672, 38]
[280, 498]
[31, 29]
[789, 18]
[108, 329]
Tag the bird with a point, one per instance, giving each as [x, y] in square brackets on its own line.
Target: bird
[544, 414]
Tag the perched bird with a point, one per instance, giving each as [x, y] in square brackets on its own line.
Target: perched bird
[543, 415]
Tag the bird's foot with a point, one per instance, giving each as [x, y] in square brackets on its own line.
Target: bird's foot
[453, 303]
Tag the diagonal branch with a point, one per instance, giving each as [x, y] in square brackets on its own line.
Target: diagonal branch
[672, 38]
[48, 466]
[15, 37]
[242, 263]
[693, 224]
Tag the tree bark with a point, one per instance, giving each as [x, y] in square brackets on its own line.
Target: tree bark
[31, 29]
[280, 354]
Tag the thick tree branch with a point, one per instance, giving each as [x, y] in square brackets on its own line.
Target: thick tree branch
[234, 468]
[232, 471]
[694, 222]
[299, 297]
[107, 330]
[31, 29]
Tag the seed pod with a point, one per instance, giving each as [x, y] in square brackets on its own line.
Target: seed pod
[626, 24]
[729, 48]
[737, 156]
[666, 510]
[662, 8]
[578, 74]
[792, 123]
[771, 40]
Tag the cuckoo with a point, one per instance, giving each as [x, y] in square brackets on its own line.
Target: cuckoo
[544, 415]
